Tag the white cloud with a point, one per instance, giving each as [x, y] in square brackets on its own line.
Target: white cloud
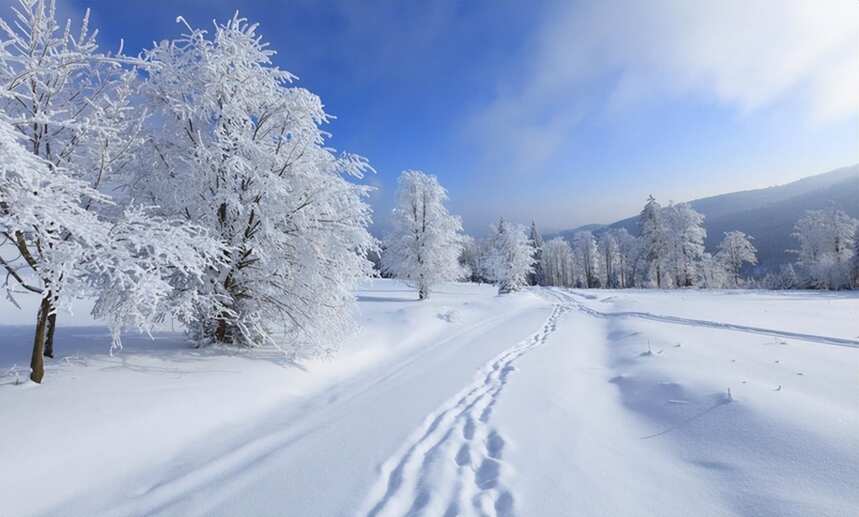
[744, 53]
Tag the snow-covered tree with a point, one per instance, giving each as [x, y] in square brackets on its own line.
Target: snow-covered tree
[712, 273]
[510, 256]
[233, 147]
[609, 260]
[735, 250]
[63, 249]
[826, 242]
[654, 241]
[70, 105]
[587, 256]
[558, 263]
[472, 258]
[68, 99]
[424, 246]
[784, 278]
[684, 236]
[855, 264]
[628, 257]
[536, 278]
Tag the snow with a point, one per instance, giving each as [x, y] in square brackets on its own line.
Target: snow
[543, 402]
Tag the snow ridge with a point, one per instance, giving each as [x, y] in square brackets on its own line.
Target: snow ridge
[454, 465]
[826, 340]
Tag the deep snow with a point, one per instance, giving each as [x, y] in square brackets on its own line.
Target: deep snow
[547, 402]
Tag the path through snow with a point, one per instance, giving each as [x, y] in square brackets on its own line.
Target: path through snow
[458, 443]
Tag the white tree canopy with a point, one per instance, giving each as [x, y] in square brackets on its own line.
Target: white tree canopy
[233, 147]
[425, 242]
[67, 126]
[510, 256]
[826, 242]
[735, 250]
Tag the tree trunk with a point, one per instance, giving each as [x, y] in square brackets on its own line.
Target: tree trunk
[37, 362]
[49, 333]
[221, 330]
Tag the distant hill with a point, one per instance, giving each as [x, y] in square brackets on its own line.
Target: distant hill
[767, 214]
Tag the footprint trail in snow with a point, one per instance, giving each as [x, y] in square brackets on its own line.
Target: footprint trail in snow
[455, 464]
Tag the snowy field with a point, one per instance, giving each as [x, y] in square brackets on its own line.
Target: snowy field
[542, 403]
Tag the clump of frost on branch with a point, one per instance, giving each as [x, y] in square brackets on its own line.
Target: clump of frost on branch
[426, 241]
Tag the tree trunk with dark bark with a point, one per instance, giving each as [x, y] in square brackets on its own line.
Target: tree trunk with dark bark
[37, 361]
[49, 332]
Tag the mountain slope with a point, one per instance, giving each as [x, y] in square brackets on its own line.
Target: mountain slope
[769, 214]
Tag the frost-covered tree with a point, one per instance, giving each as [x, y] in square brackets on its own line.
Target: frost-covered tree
[63, 249]
[735, 250]
[587, 256]
[784, 278]
[609, 261]
[826, 242]
[684, 237]
[235, 148]
[712, 273]
[68, 99]
[68, 128]
[424, 245]
[536, 278]
[628, 257]
[510, 256]
[654, 241]
[473, 259]
[855, 264]
[558, 263]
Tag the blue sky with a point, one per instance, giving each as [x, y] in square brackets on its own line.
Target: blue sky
[563, 112]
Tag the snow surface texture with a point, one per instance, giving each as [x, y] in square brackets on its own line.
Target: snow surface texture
[546, 402]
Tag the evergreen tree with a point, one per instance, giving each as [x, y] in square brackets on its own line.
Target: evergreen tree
[536, 278]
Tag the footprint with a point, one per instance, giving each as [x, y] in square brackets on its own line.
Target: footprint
[452, 509]
[504, 504]
[494, 444]
[406, 484]
[486, 476]
[468, 429]
[463, 457]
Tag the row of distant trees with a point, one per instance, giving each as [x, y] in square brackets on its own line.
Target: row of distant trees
[669, 252]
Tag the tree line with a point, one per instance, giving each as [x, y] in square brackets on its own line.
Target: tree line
[668, 253]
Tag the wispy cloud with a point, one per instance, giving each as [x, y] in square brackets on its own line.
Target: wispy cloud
[748, 54]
